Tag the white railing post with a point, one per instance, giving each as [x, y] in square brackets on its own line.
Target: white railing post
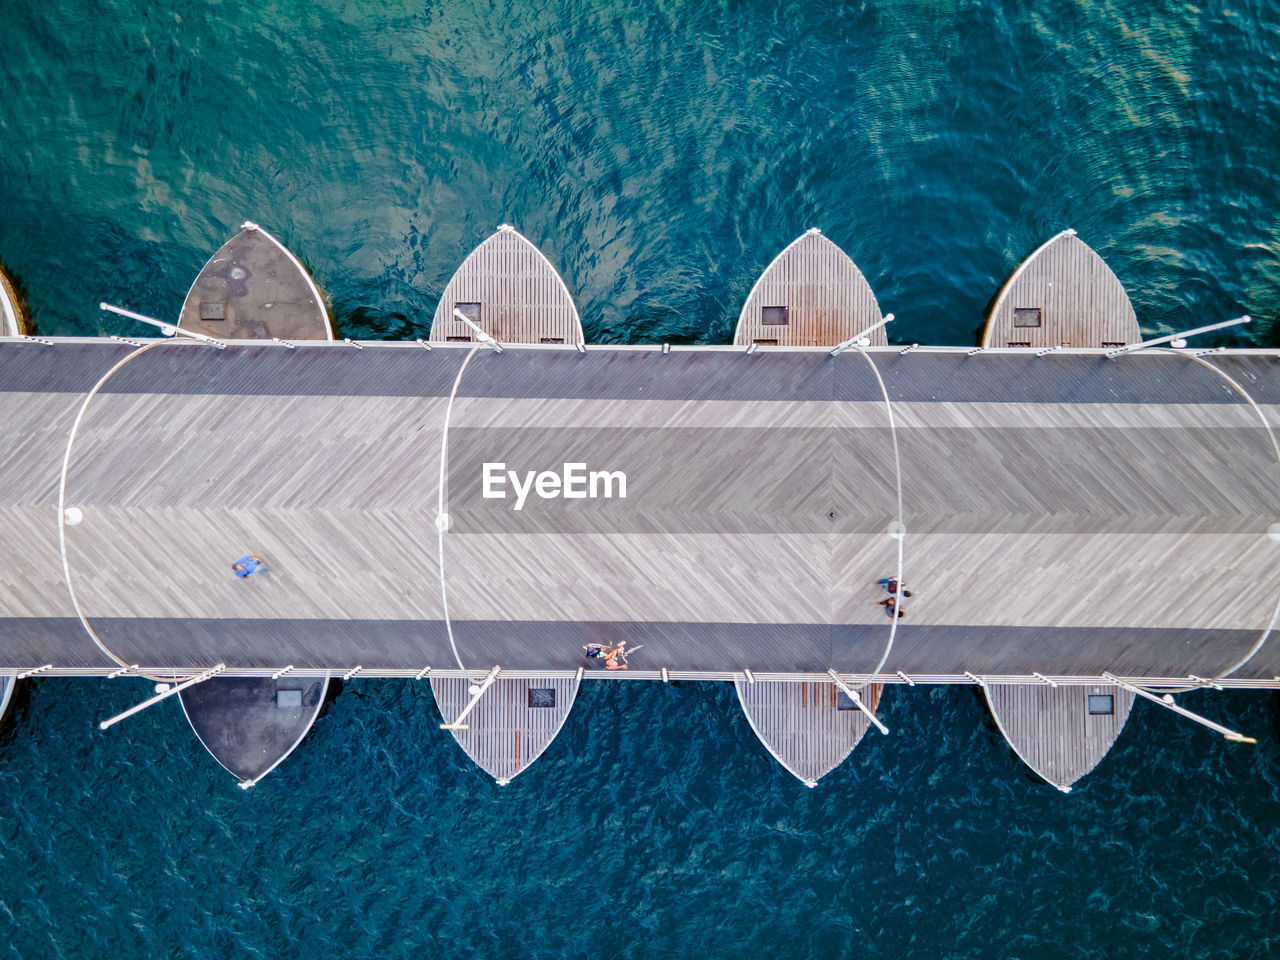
[1167, 702]
[853, 341]
[176, 688]
[477, 693]
[168, 329]
[1134, 347]
[484, 337]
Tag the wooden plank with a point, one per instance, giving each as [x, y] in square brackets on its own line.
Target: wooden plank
[1071, 295]
[1052, 728]
[505, 731]
[255, 289]
[514, 292]
[812, 294]
[803, 725]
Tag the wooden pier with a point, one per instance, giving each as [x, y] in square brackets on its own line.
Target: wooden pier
[1061, 516]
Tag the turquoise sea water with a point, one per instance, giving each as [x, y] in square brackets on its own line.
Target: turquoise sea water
[661, 154]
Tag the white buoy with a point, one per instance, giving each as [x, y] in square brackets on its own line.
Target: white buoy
[1273, 531]
[443, 522]
[161, 687]
[73, 516]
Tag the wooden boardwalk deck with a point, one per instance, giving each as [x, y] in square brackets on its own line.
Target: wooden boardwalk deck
[812, 295]
[255, 289]
[508, 288]
[1061, 733]
[12, 321]
[810, 728]
[1064, 294]
[1065, 538]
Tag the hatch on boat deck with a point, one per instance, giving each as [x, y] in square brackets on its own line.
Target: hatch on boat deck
[1064, 294]
[253, 288]
[1060, 732]
[513, 722]
[812, 294]
[250, 724]
[512, 292]
[810, 728]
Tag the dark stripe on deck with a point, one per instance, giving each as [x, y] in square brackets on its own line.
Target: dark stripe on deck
[553, 645]
[602, 373]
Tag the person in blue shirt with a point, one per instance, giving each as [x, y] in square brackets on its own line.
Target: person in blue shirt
[249, 563]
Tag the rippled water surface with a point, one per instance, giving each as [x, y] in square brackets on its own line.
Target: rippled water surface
[660, 154]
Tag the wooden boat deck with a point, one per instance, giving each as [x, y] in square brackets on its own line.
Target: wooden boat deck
[1060, 732]
[811, 295]
[253, 288]
[511, 291]
[810, 728]
[513, 723]
[251, 724]
[12, 321]
[1064, 294]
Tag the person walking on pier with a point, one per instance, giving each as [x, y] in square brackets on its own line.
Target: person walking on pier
[891, 608]
[892, 585]
[249, 563]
